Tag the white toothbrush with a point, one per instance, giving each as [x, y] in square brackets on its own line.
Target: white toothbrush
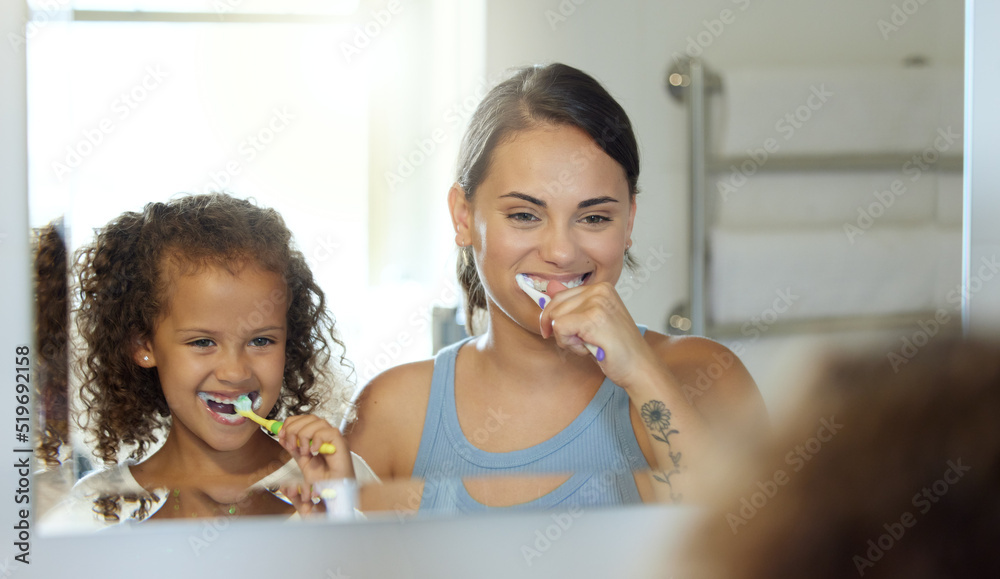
[524, 282]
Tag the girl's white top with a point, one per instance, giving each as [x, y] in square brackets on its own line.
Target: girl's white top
[76, 514]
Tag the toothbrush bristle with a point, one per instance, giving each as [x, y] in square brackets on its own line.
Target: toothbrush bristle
[243, 404]
[529, 284]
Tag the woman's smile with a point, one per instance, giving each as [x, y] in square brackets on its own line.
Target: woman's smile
[553, 206]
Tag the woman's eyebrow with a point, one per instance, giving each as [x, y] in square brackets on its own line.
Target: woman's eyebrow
[582, 205]
[526, 197]
[596, 201]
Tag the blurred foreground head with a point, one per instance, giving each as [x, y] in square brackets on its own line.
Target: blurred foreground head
[890, 470]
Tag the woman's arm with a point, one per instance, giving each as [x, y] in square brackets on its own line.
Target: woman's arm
[713, 383]
[676, 418]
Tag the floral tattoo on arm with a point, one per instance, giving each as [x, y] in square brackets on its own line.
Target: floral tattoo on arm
[656, 417]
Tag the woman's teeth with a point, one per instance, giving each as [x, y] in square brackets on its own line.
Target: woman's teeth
[542, 285]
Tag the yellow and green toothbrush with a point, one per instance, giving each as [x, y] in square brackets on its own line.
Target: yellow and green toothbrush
[244, 407]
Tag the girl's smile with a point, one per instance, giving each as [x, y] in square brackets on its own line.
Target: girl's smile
[222, 336]
[222, 406]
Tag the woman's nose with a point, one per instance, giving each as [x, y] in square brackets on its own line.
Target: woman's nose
[558, 246]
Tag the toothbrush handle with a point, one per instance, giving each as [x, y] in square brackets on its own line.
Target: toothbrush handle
[543, 300]
[325, 448]
[597, 351]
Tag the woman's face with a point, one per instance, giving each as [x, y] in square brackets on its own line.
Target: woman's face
[553, 206]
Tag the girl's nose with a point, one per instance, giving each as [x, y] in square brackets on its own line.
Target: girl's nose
[233, 367]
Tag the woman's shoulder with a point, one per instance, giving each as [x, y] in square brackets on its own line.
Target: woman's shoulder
[390, 418]
[405, 381]
[687, 348]
[711, 376]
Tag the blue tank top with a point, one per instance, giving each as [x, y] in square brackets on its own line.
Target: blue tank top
[599, 448]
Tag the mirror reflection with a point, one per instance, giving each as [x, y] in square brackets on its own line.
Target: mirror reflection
[830, 178]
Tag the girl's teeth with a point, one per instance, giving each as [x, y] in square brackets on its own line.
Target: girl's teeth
[227, 404]
[574, 283]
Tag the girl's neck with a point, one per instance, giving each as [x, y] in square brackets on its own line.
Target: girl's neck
[185, 460]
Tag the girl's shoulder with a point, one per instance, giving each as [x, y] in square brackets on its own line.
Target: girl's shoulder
[116, 479]
[129, 501]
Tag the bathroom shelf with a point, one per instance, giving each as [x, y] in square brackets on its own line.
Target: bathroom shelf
[834, 324]
[846, 162]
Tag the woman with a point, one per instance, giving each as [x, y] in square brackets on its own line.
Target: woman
[546, 187]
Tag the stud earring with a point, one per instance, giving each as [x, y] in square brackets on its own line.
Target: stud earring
[145, 358]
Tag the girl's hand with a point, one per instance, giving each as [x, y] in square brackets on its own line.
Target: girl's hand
[595, 314]
[302, 497]
[302, 436]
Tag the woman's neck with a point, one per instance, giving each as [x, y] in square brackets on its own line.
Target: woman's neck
[527, 359]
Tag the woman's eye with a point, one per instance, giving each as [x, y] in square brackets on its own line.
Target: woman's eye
[595, 219]
[203, 343]
[522, 217]
[261, 342]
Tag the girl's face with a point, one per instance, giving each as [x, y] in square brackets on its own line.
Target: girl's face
[554, 206]
[222, 335]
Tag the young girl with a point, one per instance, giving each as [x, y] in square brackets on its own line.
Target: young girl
[547, 183]
[185, 307]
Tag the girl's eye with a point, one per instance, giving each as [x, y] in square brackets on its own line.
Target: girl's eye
[261, 342]
[522, 217]
[595, 219]
[203, 343]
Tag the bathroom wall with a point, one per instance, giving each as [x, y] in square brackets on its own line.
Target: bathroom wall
[630, 46]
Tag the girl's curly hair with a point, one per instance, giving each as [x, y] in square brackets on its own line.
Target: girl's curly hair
[51, 338]
[123, 289]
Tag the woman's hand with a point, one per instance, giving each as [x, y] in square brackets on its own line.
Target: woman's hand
[595, 314]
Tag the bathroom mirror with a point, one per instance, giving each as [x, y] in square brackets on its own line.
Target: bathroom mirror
[348, 121]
